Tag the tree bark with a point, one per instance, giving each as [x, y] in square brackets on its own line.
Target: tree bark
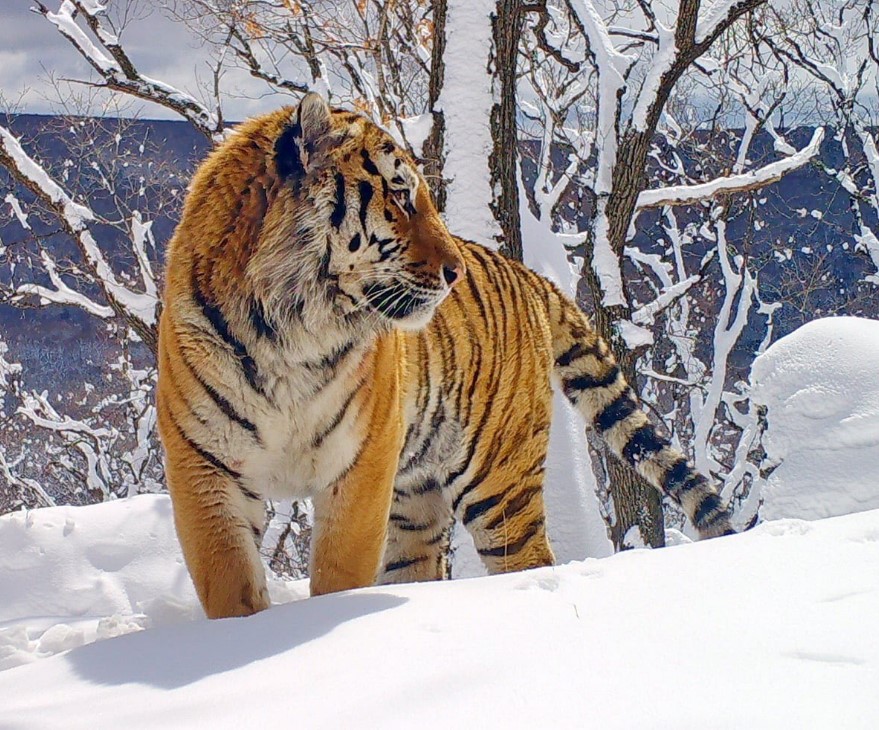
[504, 160]
[432, 153]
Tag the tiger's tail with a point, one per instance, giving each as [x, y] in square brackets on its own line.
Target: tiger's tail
[590, 378]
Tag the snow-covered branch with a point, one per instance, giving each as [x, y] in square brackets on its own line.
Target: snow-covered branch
[753, 180]
[647, 314]
[138, 308]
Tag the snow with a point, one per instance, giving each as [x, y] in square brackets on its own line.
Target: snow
[661, 63]
[867, 241]
[417, 130]
[634, 335]
[140, 305]
[713, 17]
[466, 101]
[819, 388]
[71, 575]
[646, 314]
[16, 209]
[718, 634]
[75, 213]
[64, 21]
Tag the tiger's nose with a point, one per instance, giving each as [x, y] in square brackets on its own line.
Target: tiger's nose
[451, 274]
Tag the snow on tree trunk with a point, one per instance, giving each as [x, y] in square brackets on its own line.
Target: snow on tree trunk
[466, 103]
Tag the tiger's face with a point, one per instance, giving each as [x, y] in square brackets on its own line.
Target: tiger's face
[365, 218]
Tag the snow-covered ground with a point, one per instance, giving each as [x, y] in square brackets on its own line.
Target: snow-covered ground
[774, 628]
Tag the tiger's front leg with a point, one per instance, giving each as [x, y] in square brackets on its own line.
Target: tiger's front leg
[219, 525]
[350, 522]
[351, 515]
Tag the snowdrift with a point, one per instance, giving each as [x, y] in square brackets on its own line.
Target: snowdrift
[821, 395]
[773, 628]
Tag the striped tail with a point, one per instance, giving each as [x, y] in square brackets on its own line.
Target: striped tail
[592, 381]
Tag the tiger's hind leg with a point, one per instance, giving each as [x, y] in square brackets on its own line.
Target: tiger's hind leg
[503, 509]
[418, 533]
[219, 525]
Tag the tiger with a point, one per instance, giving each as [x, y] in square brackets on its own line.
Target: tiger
[324, 336]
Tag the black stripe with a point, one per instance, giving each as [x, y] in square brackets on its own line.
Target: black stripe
[203, 453]
[214, 315]
[471, 450]
[333, 358]
[429, 485]
[354, 243]
[405, 524]
[249, 494]
[642, 444]
[710, 504]
[260, 322]
[438, 538]
[404, 563]
[675, 477]
[287, 158]
[438, 417]
[516, 505]
[623, 406]
[577, 351]
[479, 508]
[226, 407]
[318, 440]
[175, 385]
[578, 383]
[323, 271]
[365, 189]
[477, 295]
[512, 549]
[368, 164]
[338, 214]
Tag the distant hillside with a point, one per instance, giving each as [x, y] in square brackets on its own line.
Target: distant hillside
[790, 228]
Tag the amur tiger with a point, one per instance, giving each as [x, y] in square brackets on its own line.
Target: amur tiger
[324, 336]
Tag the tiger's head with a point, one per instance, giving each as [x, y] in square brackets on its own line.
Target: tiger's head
[353, 231]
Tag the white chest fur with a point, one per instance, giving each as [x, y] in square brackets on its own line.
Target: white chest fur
[306, 426]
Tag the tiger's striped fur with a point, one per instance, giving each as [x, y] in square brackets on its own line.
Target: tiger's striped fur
[324, 336]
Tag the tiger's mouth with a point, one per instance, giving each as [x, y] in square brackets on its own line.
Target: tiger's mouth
[395, 300]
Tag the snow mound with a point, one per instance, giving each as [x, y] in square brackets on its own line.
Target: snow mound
[761, 630]
[71, 575]
[820, 389]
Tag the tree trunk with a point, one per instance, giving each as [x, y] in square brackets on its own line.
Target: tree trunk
[432, 152]
[504, 160]
[501, 191]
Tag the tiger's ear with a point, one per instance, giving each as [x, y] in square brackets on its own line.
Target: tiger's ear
[296, 146]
